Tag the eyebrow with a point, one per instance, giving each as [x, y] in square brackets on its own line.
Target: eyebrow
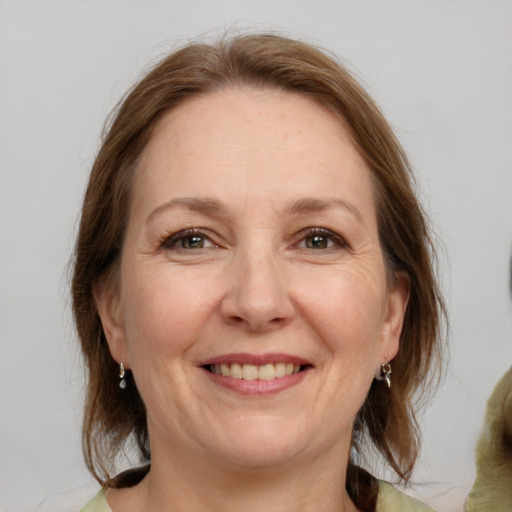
[312, 204]
[206, 205]
[211, 206]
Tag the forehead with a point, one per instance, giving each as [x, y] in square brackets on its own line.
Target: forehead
[251, 141]
[274, 115]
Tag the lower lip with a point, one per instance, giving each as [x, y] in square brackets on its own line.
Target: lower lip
[257, 387]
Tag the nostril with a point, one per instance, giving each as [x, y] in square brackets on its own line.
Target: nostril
[257, 323]
[254, 311]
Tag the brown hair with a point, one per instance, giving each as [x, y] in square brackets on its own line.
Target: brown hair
[387, 418]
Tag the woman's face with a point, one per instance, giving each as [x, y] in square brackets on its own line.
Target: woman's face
[252, 304]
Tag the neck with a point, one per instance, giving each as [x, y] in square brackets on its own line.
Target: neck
[180, 484]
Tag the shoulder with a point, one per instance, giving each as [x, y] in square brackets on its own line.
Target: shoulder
[97, 504]
[126, 479]
[392, 500]
[389, 500]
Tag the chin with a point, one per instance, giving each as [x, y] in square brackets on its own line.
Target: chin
[263, 443]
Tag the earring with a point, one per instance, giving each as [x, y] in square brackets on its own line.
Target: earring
[122, 382]
[384, 373]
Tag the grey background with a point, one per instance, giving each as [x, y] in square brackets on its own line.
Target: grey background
[441, 71]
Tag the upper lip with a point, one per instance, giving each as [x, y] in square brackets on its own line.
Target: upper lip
[256, 359]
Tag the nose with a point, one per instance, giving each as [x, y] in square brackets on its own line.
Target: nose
[258, 297]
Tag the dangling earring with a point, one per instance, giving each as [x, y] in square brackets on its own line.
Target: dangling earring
[122, 382]
[384, 373]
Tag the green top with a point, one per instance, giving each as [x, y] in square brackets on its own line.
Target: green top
[389, 500]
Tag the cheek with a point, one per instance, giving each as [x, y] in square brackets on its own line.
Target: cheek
[346, 309]
[165, 313]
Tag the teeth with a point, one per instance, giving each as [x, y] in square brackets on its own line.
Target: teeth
[253, 372]
[267, 372]
[280, 370]
[249, 372]
[236, 371]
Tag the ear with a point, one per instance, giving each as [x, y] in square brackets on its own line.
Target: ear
[396, 306]
[108, 304]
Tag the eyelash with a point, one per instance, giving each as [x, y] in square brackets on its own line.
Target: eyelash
[322, 233]
[170, 242]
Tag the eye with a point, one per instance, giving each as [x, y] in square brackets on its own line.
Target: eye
[189, 239]
[318, 239]
[193, 242]
[317, 242]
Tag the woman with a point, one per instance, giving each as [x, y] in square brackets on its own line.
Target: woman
[252, 264]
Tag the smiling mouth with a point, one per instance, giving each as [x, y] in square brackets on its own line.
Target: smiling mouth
[268, 371]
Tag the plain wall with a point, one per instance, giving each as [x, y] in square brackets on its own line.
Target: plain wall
[442, 72]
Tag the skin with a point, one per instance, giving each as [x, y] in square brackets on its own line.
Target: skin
[253, 172]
